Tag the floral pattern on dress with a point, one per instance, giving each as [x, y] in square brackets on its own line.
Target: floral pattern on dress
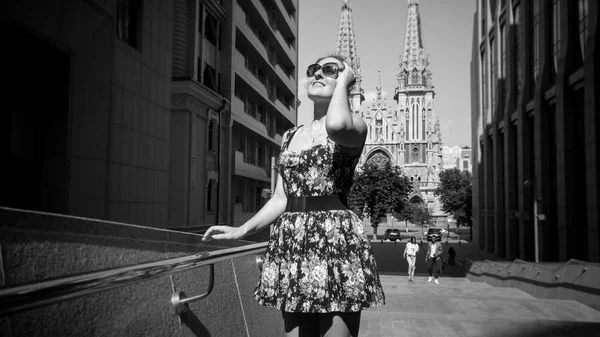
[318, 261]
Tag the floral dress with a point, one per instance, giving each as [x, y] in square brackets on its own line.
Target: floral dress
[318, 261]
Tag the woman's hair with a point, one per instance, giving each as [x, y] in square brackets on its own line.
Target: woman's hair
[334, 56]
[413, 239]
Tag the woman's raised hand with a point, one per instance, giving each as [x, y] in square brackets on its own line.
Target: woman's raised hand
[346, 77]
[223, 233]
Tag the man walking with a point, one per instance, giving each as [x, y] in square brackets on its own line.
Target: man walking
[434, 259]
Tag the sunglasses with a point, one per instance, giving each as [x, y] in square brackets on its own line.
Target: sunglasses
[329, 69]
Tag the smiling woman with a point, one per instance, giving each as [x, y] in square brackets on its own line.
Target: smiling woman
[319, 269]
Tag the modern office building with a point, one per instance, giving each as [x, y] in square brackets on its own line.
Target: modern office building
[86, 128]
[534, 75]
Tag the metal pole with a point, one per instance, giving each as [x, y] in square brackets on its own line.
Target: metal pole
[273, 176]
[535, 229]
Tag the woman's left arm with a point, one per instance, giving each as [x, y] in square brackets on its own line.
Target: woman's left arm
[342, 127]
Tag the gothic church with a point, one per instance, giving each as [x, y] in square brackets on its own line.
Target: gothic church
[408, 135]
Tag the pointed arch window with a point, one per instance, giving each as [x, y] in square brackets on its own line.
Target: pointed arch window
[415, 77]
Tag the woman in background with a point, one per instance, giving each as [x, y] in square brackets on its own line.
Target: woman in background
[410, 254]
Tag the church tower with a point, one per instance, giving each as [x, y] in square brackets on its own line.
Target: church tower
[382, 121]
[420, 137]
[346, 47]
[409, 136]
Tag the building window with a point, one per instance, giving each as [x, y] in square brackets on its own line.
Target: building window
[129, 13]
[484, 85]
[415, 155]
[584, 12]
[534, 24]
[518, 48]
[555, 33]
[502, 74]
[209, 196]
[212, 30]
[493, 78]
[209, 77]
[211, 134]
[483, 17]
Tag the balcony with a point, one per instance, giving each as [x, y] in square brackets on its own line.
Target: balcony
[288, 48]
[250, 170]
[290, 19]
[259, 85]
[269, 56]
[238, 109]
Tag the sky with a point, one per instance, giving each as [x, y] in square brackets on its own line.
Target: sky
[380, 29]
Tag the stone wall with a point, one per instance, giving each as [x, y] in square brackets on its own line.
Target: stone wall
[39, 246]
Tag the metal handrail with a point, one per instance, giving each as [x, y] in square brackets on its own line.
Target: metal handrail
[33, 295]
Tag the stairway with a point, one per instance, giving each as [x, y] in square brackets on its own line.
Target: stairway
[459, 307]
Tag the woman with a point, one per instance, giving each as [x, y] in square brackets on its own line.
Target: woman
[319, 269]
[410, 254]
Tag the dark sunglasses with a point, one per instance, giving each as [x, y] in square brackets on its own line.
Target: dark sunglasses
[329, 69]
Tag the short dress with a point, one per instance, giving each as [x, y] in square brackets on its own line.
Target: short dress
[318, 261]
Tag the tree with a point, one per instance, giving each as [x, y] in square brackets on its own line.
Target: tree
[378, 190]
[406, 214]
[455, 192]
[421, 215]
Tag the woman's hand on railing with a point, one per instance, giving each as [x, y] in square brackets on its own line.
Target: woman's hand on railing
[223, 233]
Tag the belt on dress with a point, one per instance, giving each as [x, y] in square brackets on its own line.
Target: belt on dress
[316, 203]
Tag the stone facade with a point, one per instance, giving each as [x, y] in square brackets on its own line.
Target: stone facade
[94, 138]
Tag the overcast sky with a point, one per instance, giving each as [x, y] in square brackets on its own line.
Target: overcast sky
[380, 28]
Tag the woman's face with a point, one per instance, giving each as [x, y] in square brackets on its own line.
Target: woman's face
[320, 86]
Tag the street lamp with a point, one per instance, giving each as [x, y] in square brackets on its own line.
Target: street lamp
[536, 217]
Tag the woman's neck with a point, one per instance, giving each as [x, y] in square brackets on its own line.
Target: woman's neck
[320, 110]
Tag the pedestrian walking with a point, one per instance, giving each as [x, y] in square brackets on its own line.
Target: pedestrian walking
[410, 254]
[451, 256]
[319, 269]
[434, 259]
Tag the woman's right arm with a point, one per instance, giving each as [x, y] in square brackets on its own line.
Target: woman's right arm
[267, 215]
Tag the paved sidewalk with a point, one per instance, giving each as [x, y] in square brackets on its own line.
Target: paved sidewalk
[458, 307]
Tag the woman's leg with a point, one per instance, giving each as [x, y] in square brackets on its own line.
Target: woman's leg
[299, 324]
[412, 260]
[339, 324]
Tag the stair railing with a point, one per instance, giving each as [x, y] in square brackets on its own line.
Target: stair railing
[23, 297]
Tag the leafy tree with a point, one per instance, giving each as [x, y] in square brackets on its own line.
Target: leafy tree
[378, 190]
[406, 214]
[421, 215]
[455, 192]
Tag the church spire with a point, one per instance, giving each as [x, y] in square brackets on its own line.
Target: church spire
[414, 62]
[346, 47]
[379, 93]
